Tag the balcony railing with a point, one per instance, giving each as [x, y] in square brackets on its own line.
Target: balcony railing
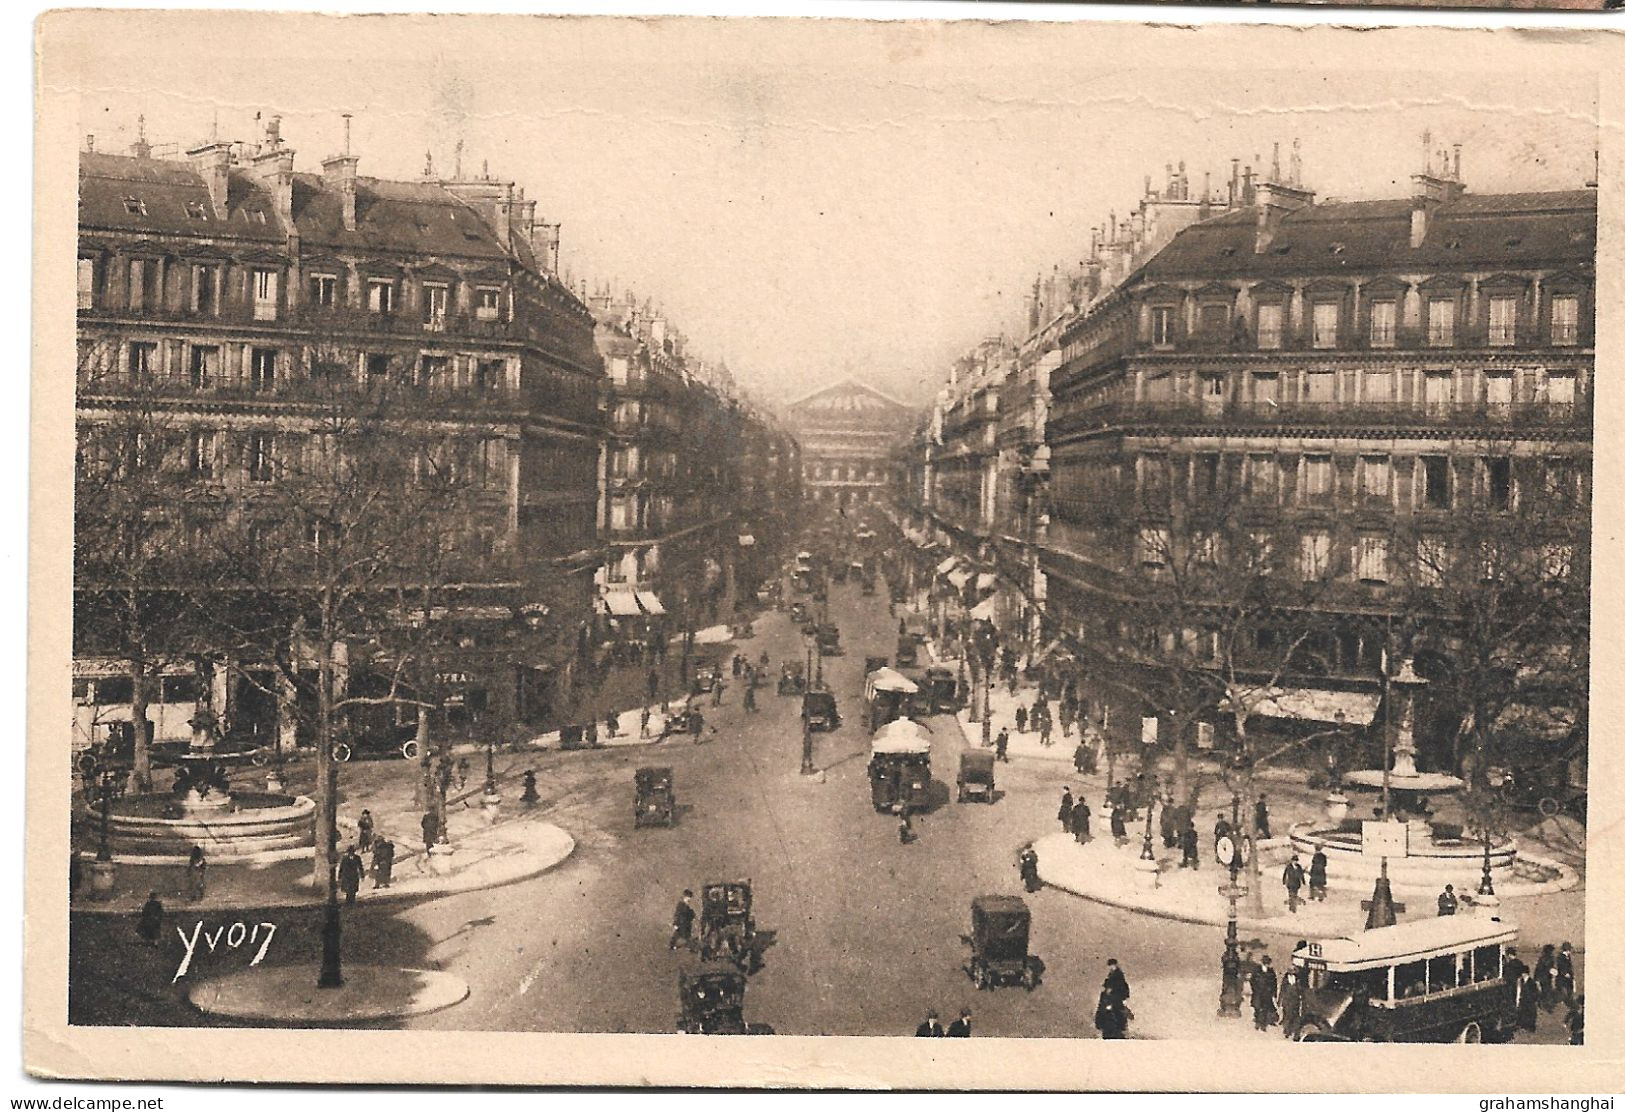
[301, 388]
[320, 318]
[1518, 415]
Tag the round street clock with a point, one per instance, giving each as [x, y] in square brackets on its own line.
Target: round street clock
[1225, 849]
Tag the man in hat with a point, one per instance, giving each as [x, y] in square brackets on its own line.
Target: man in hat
[960, 1028]
[930, 1029]
[682, 922]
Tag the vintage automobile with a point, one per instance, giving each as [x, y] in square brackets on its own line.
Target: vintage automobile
[819, 710]
[899, 593]
[907, 654]
[712, 996]
[1427, 980]
[900, 767]
[798, 612]
[705, 679]
[976, 775]
[792, 678]
[999, 926]
[886, 695]
[829, 640]
[655, 801]
[942, 686]
[839, 573]
[727, 928]
[686, 719]
[869, 584]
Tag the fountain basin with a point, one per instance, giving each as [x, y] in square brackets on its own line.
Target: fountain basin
[250, 824]
[1432, 862]
[1405, 781]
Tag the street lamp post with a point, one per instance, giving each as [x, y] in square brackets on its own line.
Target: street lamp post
[1147, 852]
[1229, 852]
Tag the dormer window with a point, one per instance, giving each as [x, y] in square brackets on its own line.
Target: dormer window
[436, 299]
[1565, 319]
[380, 295]
[1384, 323]
[324, 290]
[1441, 321]
[1503, 321]
[135, 206]
[1325, 324]
[196, 211]
[1270, 324]
[487, 302]
[1162, 326]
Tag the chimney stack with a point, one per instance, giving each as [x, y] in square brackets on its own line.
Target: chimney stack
[212, 161]
[272, 164]
[339, 175]
[141, 148]
[1430, 190]
[1275, 200]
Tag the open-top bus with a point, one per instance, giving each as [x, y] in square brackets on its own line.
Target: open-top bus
[1430, 980]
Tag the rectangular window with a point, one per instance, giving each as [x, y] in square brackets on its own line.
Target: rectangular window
[1565, 319]
[1153, 478]
[1261, 477]
[1325, 324]
[436, 299]
[262, 370]
[1503, 321]
[1320, 387]
[1205, 473]
[324, 290]
[490, 375]
[204, 369]
[261, 457]
[1266, 388]
[143, 360]
[264, 282]
[1215, 321]
[205, 290]
[1375, 478]
[1559, 388]
[377, 368]
[1435, 482]
[1315, 554]
[1371, 558]
[1211, 387]
[1153, 546]
[1432, 561]
[1498, 482]
[201, 453]
[1441, 321]
[1384, 323]
[87, 283]
[1270, 326]
[1317, 478]
[492, 462]
[380, 295]
[487, 303]
[1379, 387]
[1498, 388]
[140, 269]
[1162, 326]
[1436, 390]
[434, 371]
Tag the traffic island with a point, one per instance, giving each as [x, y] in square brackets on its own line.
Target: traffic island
[287, 996]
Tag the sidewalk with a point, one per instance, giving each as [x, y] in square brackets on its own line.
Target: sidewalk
[513, 849]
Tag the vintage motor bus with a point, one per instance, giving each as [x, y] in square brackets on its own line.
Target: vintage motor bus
[1430, 980]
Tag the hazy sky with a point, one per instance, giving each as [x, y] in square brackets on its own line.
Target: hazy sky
[814, 199]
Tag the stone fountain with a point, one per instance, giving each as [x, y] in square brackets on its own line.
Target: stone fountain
[203, 810]
[1419, 853]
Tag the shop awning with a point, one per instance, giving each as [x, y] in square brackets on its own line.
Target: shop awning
[983, 611]
[1313, 704]
[959, 578]
[947, 565]
[650, 603]
[902, 735]
[986, 581]
[621, 604]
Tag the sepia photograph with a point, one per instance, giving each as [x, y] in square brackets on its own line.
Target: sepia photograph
[767, 527]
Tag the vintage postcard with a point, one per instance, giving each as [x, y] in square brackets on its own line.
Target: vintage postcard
[555, 534]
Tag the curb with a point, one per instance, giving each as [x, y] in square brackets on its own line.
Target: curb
[370, 993]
